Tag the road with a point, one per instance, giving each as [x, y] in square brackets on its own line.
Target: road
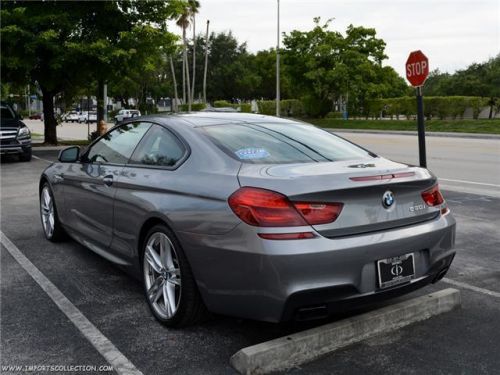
[462, 164]
[36, 332]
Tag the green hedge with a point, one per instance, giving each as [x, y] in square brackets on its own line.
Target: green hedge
[441, 107]
[267, 107]
[288, 107]
[243, 107]
[316, 107]
[194, 107]
[246, 107]
[225, 103]
[335, 115]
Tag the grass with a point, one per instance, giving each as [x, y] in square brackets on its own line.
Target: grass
[458, 126]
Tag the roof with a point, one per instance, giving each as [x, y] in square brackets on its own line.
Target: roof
[196, 119]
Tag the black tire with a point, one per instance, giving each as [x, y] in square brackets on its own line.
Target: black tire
[191, 309]
[25, 156]
[58, 234]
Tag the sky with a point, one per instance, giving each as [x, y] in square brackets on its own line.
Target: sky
[452, 33]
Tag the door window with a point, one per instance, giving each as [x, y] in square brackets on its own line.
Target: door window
[117, 146]
[159, 147]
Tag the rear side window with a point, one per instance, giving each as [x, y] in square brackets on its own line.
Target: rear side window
[281, 143]
[117, 146]
[158, 148]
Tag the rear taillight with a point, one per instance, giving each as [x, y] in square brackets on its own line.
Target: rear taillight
[433, 196]
[319, 213]
[266, 208]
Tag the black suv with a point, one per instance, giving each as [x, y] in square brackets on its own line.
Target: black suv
[15, 137]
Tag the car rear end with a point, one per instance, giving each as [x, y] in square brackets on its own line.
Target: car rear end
[326, 235]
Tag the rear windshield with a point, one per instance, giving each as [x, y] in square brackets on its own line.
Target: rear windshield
[281, 143]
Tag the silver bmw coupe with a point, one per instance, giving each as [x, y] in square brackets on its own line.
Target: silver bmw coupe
[249, 216]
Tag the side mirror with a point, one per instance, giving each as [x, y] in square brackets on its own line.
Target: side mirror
[69, 155]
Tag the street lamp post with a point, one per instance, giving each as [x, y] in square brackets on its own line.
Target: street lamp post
[278, 65]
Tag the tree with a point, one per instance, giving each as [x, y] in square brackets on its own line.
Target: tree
[230, 74]
[326, 66]
[65, 45]
[205, 66]
[183, 23]
[42, 29]
[264, 65]
[478, 79]
[194, 6]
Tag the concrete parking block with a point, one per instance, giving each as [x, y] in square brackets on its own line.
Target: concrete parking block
[286, 352]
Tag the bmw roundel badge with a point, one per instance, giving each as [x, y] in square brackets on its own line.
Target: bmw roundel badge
[388, 199]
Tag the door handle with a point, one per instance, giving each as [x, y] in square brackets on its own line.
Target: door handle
[108, 180]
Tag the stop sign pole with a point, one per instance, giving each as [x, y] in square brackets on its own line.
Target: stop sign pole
[417, 70]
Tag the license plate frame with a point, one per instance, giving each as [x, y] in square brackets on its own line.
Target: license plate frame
[396, 270]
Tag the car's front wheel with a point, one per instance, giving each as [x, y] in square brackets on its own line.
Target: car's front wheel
[169, 285]
[50, 222]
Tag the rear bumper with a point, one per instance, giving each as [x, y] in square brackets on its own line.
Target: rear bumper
[318, 303]
[242, 275]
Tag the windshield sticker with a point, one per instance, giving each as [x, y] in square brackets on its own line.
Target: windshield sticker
[252, 153]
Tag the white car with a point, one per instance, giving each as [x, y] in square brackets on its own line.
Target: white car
[87, 116]
[125, 114]
[72, 116]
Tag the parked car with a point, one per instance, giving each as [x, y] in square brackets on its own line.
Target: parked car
[36, 116]
[87, 117]
[15, 136]
[72, 116]
[124, 114]
[250, 216]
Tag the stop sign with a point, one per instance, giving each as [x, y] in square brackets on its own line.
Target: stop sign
[417, 68]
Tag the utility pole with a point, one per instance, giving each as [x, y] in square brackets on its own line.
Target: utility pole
[278, 65]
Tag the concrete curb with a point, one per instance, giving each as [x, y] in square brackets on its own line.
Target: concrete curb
[414, 133]
[286, 352]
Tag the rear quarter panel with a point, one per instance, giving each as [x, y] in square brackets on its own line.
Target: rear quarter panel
[191, 199]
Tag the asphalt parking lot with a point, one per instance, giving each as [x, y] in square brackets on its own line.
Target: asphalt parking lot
[34, 331]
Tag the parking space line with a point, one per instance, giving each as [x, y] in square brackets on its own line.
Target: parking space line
[471, 287]
[102, 344]
[39, 158]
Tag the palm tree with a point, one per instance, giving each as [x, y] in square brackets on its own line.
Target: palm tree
[183, 23]
[194, 6]
[174, 104]
[206, 66]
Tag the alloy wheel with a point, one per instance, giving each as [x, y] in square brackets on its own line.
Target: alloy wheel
[47, 211]
[162, 275]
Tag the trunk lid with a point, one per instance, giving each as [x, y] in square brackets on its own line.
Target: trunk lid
[359, 184]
